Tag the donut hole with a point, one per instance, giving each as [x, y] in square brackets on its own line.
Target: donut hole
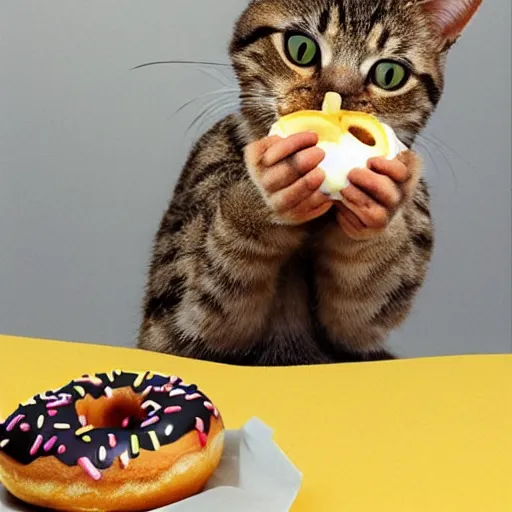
[362, 135]
[112, 412]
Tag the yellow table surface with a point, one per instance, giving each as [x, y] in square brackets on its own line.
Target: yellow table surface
[414, 435]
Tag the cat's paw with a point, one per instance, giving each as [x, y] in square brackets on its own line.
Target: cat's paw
[376, 193]
[287, 174]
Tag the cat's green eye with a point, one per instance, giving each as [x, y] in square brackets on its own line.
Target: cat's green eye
[389, 75]
[301, 50]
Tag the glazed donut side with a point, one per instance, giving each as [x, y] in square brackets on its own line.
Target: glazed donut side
[153, 480]
[115, 441]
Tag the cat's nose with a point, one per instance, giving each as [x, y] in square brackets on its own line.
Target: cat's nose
[343, 80]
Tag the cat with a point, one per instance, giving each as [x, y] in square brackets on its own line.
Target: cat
[239, 273]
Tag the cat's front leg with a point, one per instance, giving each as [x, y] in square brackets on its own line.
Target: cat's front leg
[235, 220]
[371, 262]
[286, 173]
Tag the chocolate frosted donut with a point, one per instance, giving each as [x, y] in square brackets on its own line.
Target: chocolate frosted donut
[112, 441]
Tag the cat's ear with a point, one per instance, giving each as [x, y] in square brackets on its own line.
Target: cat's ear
[450, 16]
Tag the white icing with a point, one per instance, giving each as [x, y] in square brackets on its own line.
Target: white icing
[345, 155]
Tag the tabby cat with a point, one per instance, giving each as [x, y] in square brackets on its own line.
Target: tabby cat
[252, 264]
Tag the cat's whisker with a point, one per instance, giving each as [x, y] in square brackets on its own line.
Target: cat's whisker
[211, 107]
[212, 103]
[439, 142]
[220, 107]
[219, 77]
[184, 62]
[220, 92]
[214, 114]
[423, 146]
[444, 157]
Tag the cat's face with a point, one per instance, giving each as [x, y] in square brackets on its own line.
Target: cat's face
[385, 57]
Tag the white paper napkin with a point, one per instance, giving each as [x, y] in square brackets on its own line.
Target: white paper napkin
[254, 476]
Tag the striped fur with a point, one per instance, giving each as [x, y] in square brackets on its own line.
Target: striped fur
[226, 282]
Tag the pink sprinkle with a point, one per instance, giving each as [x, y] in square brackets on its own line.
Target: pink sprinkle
[58, 403]
[37, 444]
[150, 421]
[199, 425]
[61, 449]
[125, 422]
[53, 412]
[203, 438]
[25, 427]
[209, 406]
[112, 441]
[108, 392]
[83, 420]
[89, 468]
[170, 410]
[14, 422]
[177, 392]
[194, 396]
[50, 444]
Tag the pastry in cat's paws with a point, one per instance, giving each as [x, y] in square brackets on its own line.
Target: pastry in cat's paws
[348, 138]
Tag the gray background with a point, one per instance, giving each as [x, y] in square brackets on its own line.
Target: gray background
[90, 151]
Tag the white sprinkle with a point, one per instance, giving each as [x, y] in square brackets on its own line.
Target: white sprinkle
[44, 396]
[150, 403]
[83, 420]
[125, 459]
[177, 392]
[102, 453]
[4, 443]
[62, 426]
[40, 422]
[108, 392]
[154, 440]
[147, 391]
[168, 430]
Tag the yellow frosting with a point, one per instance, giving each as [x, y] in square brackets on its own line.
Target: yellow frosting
[332, 123]
[348, 138]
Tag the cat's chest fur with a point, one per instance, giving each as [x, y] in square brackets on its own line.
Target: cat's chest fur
[292, 326]
[291, 315]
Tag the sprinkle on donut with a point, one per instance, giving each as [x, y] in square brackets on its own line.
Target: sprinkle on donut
[49, 425]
